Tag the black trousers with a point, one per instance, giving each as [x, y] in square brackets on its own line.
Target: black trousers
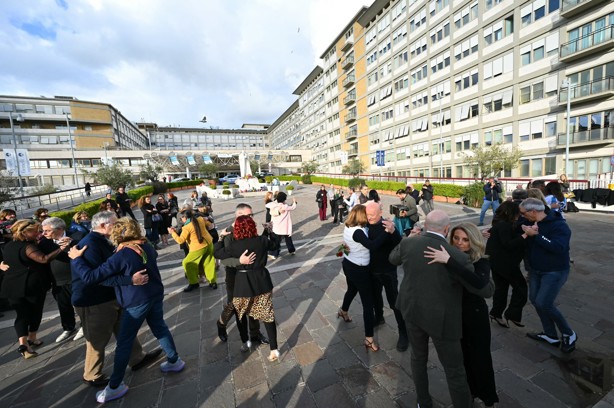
[277, 240]
[338, 214]
[245, 324]
[504, 278]
[359, 280]
[62, 295]
[390, 283]
[127, 210]
[476, 352]
[29, 313]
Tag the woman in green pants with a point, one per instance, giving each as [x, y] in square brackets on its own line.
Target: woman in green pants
[200, 244]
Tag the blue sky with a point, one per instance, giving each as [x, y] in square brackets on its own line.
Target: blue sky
[169, 62]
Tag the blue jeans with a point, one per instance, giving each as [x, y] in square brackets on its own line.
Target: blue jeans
[130, 322]
[544, 287]
[152, 234]
[485, 205]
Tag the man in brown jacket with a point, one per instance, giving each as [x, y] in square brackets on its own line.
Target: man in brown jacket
[430, 300]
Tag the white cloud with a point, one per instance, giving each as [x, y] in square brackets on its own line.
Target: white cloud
[170, 62]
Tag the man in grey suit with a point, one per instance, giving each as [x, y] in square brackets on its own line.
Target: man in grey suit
[430, 299]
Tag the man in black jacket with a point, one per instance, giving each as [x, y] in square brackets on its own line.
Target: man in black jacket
[54, 230]
[124, 202]
[492, 190]
[427, 197]
[384, 273]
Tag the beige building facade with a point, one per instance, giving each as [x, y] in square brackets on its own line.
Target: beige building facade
[425, 81]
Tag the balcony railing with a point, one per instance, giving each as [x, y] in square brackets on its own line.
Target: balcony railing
[588, 90]
[349, 41]
[593, 136]
[350, 117]
[353, 152]
[593, 41]
[349, 80]
[349, 99]
[570, 8]
[351, 134]
[347, 62]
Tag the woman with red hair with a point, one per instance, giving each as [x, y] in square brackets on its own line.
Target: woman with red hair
[253, 286]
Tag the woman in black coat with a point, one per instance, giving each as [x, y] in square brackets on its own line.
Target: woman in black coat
[164, 210]
[475, 342]
[253, 286]
[505, 248]
[27, 281]
[151, 219]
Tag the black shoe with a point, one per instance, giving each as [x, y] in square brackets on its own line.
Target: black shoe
[213, 285]
[98, 382]
[191, 287]
[402, 343]
[545, 338]
[149, 358]
[221, 332]
[379, 321]
[569, 343]
[260, 338]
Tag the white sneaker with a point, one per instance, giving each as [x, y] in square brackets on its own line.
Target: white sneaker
[174, 367]
[65, 334]
[79, 335]
[110, 394]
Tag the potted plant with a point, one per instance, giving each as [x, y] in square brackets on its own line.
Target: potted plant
[226, 193]
[289, 189]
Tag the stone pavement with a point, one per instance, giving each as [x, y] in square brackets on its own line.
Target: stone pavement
[323, 362]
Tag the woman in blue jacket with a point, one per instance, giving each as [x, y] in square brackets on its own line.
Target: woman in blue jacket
[139, 301]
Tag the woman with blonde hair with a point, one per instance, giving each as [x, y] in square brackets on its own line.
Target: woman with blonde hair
[80, 224]
[537, 193]
[27, 281]
[195, 233]
[133, 271]
[356, 269]
[475, 341]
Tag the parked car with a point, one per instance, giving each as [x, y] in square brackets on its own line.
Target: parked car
[230, 178]
[181, 179]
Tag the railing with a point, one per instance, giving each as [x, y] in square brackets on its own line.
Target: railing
[567, 4]
[350, 117]
[57, 201]
[585, 136]
[350, 79]
[587, 41]
[351, 134]
[587, 89]
[349, 99]
[347, 61]
[353, 152]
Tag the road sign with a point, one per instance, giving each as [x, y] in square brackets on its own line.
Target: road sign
[380, 158]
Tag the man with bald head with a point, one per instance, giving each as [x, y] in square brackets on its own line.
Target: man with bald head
[430, 299]
[383, 272]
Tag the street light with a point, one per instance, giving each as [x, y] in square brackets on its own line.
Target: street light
[19, 118]
[72, 152]
[566, 84]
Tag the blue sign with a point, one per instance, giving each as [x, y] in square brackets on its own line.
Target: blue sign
[380, 158]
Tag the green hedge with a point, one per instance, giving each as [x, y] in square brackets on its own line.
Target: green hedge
[290, 178]
[184, 183]
[445, 190]
[93, 207]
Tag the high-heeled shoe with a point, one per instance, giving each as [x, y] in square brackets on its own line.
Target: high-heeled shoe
[344, 315]
[35, 343]
[499, 321]
[370, 345]
[518, 324]
[221, 331]
[274, 356]
[26, 353]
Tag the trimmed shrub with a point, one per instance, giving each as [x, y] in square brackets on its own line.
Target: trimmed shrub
[306, 179]
[268, 179]
[290, 187]
[159, 187]
[356, 182]
[473, 194]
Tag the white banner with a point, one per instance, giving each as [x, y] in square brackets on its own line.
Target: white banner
[22, 159]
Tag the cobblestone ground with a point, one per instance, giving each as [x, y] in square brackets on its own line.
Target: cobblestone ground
[323, 362]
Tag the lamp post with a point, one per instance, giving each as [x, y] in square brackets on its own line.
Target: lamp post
[440, 136]
[72, 152]
[19, 118]
[566, 83]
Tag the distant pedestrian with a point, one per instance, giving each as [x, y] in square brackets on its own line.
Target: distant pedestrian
[491, 198]
[427, 197]
[88, 189]
[322, 200]
[124, 202]
[282, 224]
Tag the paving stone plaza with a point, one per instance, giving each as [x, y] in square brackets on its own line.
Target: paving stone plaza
[323, 361]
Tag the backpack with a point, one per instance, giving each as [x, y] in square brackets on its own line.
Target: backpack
[571, 207]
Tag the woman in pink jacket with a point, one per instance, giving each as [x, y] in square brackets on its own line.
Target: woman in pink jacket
[282, 224]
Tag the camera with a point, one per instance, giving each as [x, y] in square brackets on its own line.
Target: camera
[399, 210]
